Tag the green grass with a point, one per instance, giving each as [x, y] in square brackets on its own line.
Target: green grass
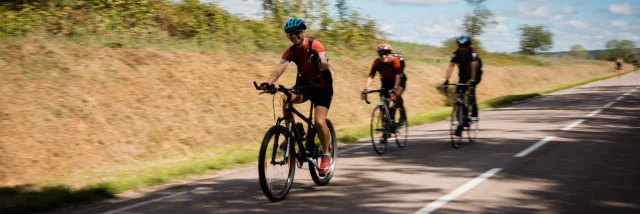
[113, 180]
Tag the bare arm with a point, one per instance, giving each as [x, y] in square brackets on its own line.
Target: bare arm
[367, 83]
[277, 72]
[325, 62]
[449, 71]
[397, 84]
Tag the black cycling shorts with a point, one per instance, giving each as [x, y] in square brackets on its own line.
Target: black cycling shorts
[320, 96]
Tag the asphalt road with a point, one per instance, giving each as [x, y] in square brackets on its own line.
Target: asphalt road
[573, 151]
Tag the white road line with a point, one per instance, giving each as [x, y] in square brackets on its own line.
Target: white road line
[146, 202]
[593, 113]
[627, 94]
[570, 126]
[609, 104]
[620, 98]
[354, 148]
[632, 90]
[457, 192]
[534, 147]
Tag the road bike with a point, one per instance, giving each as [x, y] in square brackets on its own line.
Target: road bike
[280, 160]
[460, 120]
[385, 122]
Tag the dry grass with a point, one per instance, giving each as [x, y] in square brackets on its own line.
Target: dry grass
[66, 108]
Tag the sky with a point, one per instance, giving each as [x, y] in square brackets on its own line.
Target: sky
[590, 23]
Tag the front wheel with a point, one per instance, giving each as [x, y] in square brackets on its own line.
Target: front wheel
[456, 126]
[333, 152]
[379, 131]
[276, 168]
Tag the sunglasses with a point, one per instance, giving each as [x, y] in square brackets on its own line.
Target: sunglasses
[292, 33]
[384, 53]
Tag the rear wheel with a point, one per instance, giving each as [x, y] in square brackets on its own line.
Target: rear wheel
[333, 152]
[472, 132]
[402, 130]
[275, 168]
[379, 131]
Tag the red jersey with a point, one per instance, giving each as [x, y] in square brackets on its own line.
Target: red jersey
[306, 69]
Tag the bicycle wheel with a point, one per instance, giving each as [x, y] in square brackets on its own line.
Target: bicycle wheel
[379, 131]
[472, 131]
[456, 117]
[275, 169]
[333, 152]
[401, 133]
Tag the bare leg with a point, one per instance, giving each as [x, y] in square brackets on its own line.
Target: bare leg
[320, 121]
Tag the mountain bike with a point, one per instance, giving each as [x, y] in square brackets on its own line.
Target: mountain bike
[383, 122]
[280, 160]
[460, 120]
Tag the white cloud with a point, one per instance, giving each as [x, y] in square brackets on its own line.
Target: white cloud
[556, 14]
[618, 23]
[248, 8]
[623, 9]
[500, 18]
[567, 9]
[422, 2]
[386, 28]
[577, 23]
[557, 17]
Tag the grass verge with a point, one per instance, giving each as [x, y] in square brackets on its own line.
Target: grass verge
[59, 192]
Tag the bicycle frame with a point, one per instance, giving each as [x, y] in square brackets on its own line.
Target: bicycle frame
[305, 151]
[466, 104]
[385, 99]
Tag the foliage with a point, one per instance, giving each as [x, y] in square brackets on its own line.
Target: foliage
[475, 22]
[578, 51]
[625, 49]
[204, 23]
[535, 38]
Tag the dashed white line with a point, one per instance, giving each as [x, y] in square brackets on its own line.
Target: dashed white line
[534, 147]
[593, 113]
[570, 126]
[627, 94]
[620, 98]
[609, 104]
[354, 148]
[457, 192]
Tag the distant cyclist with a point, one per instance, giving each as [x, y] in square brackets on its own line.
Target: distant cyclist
[470, 71]
[391, 74]
[313, 69]
[635, 64]
[619, 63]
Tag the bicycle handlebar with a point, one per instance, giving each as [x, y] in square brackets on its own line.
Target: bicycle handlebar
[375, 91]
[271, 89]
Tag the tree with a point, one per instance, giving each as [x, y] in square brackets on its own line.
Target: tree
[475, 22]
[343, 9]
[578, 51]
[535, 38]
[626, 49]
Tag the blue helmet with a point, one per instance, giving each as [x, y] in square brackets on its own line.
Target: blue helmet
[463, 41]
[294, 24]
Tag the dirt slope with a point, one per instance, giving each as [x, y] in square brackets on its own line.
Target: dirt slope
[66, 108]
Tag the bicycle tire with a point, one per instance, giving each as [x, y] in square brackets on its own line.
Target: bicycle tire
[402, 130]
[264, 163]
[378, 124]
[333, 152]
[456, 116]
[472, 132]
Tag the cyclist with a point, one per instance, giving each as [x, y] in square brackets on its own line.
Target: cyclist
[313, 69]
[619, 66]
[470, 72]
[391, 75]
[635, 64]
